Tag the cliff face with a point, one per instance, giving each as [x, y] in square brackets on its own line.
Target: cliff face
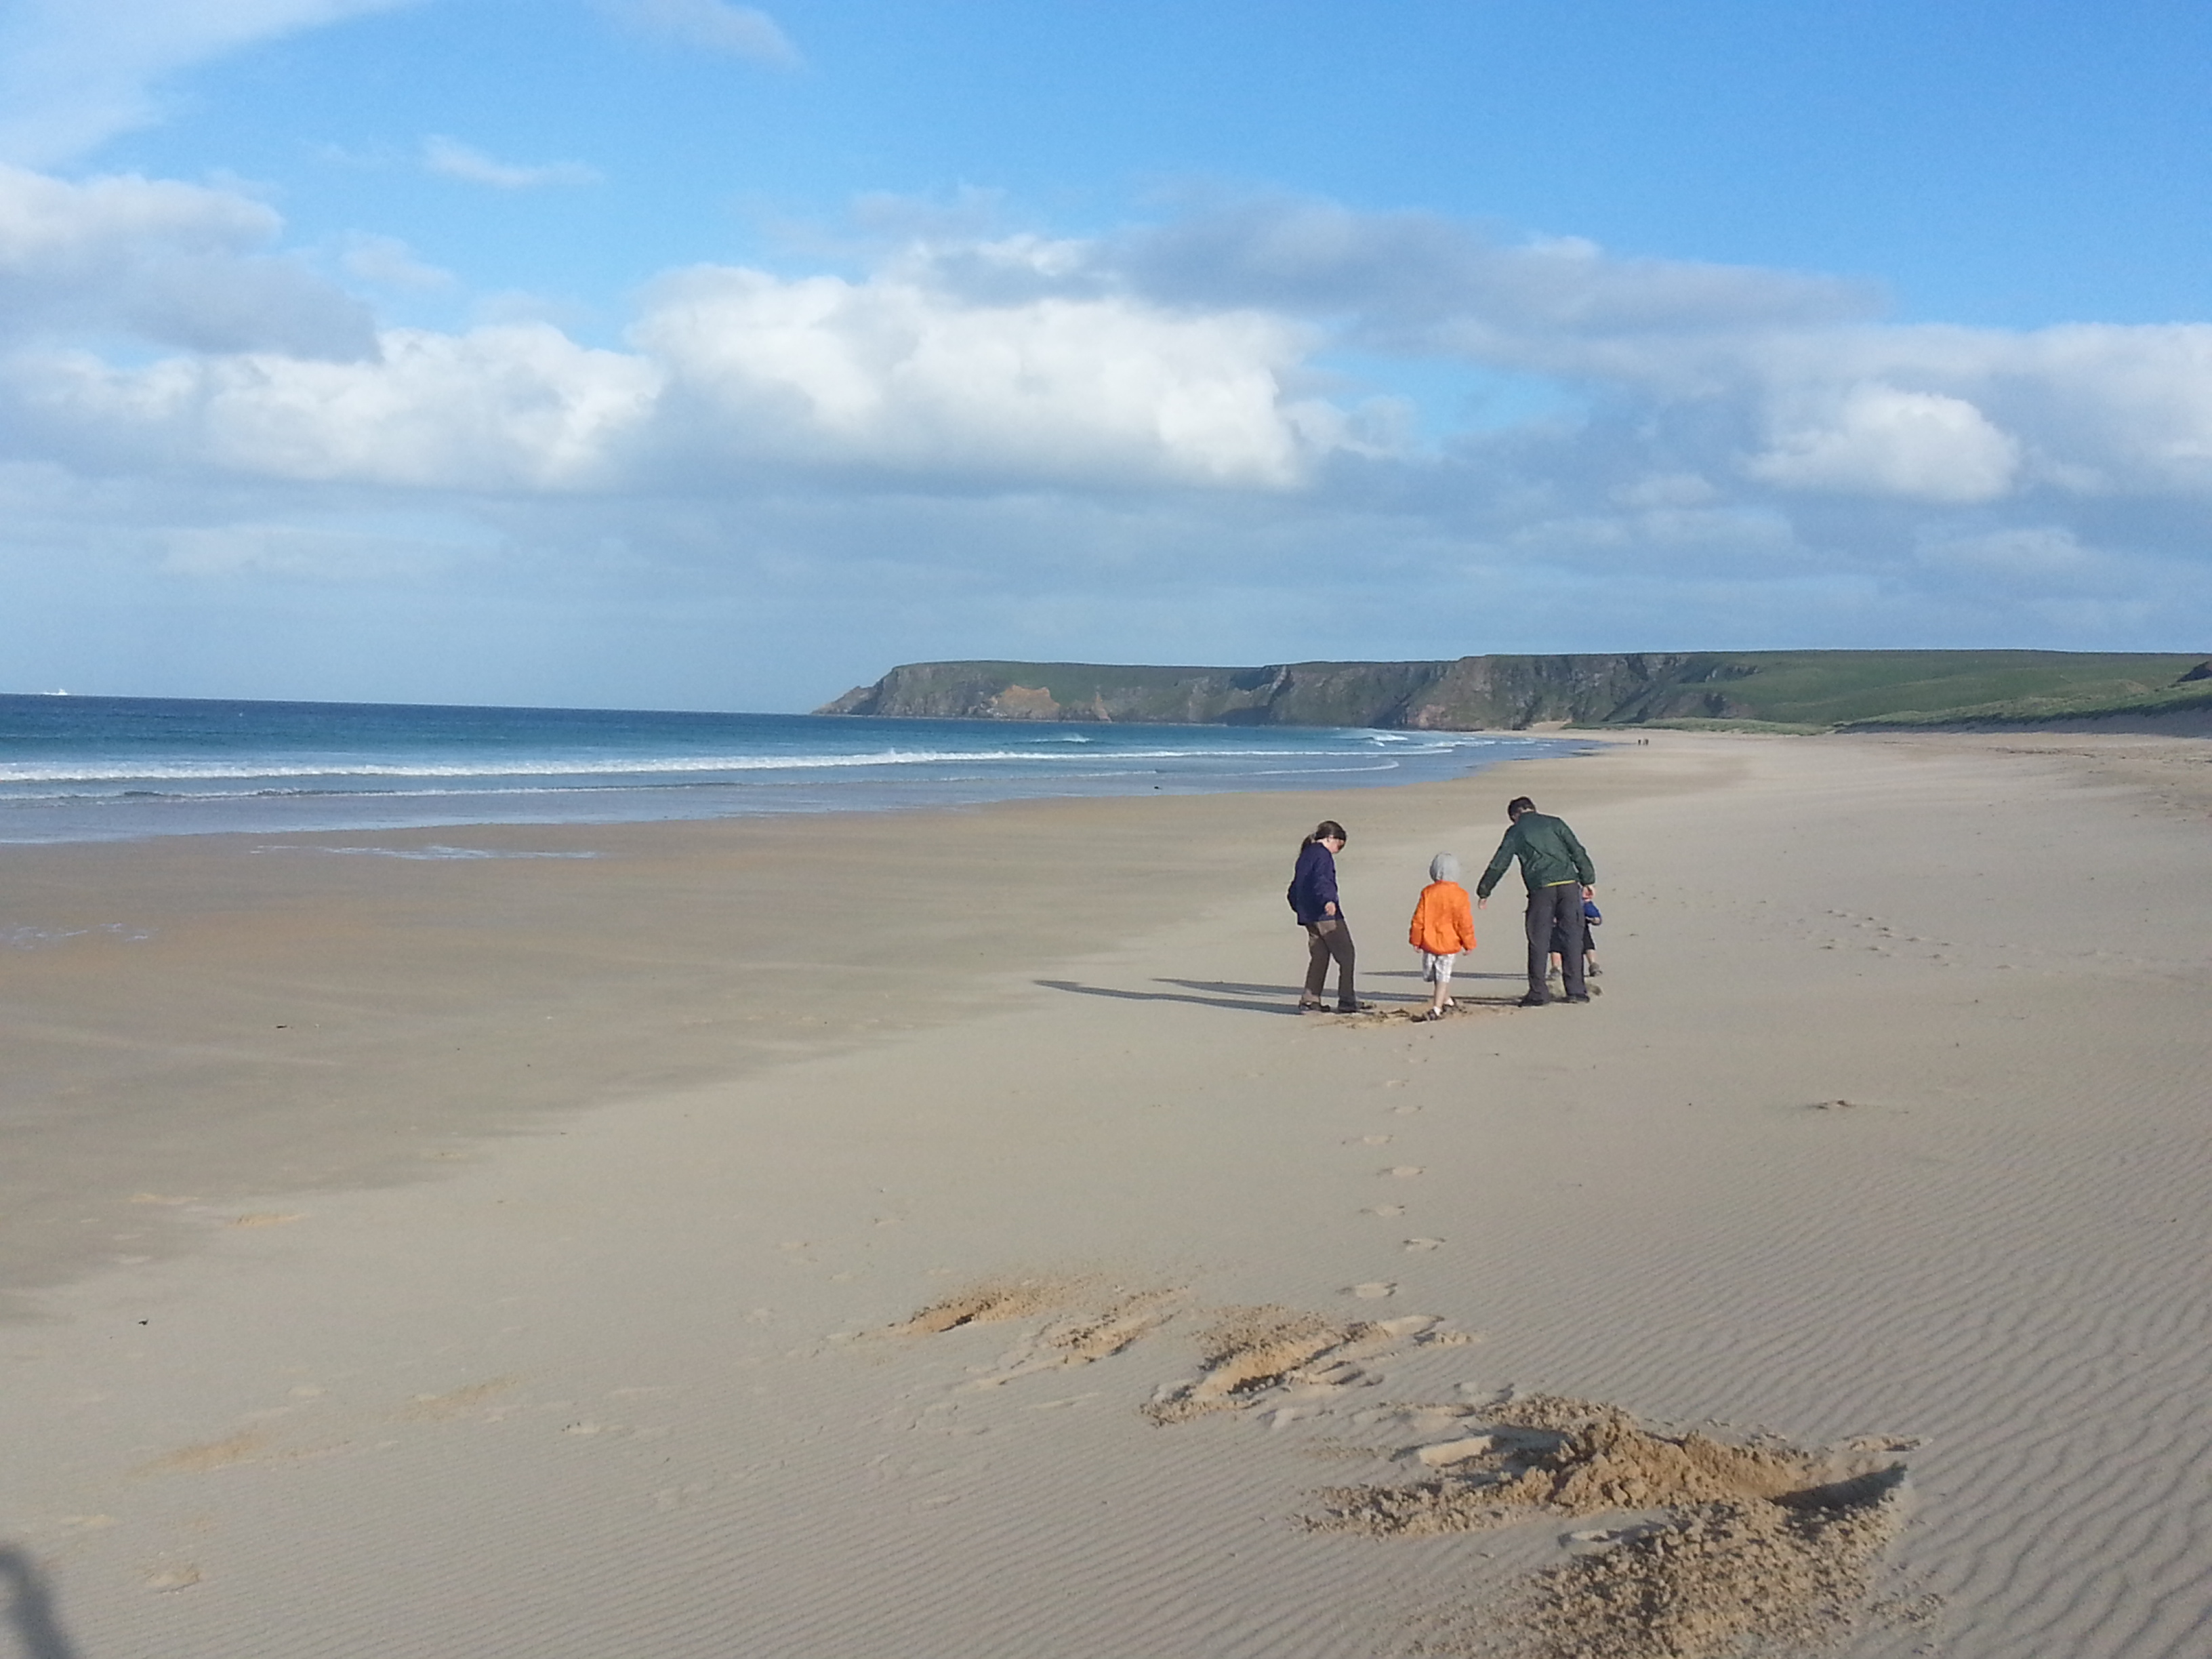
[1472, 693]
[1818, 688]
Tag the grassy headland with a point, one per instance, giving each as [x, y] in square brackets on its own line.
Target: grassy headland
[1816, 690]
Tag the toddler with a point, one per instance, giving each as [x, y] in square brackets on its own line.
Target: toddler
[1444, 927]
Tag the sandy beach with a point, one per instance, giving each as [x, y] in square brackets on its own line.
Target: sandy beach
[936, 1235]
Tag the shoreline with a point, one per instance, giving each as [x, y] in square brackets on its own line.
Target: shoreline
[1880, 1135]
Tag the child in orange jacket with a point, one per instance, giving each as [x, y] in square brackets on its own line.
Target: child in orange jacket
[1444, 927]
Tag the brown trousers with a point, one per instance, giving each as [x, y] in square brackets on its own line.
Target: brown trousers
[1330, 941]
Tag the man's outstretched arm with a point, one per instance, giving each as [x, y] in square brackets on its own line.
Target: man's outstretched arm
[1498, 862]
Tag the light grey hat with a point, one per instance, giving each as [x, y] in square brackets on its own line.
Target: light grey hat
[1443, 867]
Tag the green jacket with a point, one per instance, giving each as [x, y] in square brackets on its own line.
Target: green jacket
[1548, 852]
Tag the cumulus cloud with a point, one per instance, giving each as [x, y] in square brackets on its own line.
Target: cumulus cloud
[895, 373]
[174, 264]
[1881, 441]
[74, 73]
[732, 367]
[452, 159]
[1419, 282]
[713, 25]
[1029, 359]
[496, 409]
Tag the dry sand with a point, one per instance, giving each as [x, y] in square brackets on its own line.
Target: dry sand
[934, 1236]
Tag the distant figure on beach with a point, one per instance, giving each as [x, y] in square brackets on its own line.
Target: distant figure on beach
[1560, 879]
[1313, 901]
[1443, 927]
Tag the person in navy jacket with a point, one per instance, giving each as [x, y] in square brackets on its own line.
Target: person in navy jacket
[1313, 901]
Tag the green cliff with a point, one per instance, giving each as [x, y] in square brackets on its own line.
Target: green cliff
[1812, 688]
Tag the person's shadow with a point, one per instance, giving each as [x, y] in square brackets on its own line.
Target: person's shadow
[1207, 993]
[30, 1607]
[1244, 999]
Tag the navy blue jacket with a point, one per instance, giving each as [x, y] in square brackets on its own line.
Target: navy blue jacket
[1315, 885]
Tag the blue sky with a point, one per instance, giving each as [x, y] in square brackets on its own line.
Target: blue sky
[680, 353]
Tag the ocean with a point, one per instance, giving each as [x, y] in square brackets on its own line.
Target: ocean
[77, 768]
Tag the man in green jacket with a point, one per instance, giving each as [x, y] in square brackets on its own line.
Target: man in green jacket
[1558, 874]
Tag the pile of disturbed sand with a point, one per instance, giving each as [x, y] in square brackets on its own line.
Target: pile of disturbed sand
[1738, 1547]
[1571, 1457]
[1715, 1579]
[1723, 1548]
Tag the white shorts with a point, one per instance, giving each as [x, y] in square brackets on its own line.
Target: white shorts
[1436, 970]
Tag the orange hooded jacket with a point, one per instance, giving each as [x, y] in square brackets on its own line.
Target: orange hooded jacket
[1443, 920]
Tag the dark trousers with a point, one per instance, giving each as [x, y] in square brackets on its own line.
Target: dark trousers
[1561, 909]
[1333, 940]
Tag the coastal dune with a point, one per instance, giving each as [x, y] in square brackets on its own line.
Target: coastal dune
[935, 1234]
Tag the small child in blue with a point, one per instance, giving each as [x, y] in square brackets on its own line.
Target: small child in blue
[1590, 919]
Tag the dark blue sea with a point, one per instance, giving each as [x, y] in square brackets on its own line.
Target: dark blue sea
[101, 769]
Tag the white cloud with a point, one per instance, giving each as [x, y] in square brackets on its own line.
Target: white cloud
[739, 368]
[74, 73]
[178, 264]
[891, 373]
[714, 25]
[1881, 441]
[496, 409]
[1425, 284]
[454, 159]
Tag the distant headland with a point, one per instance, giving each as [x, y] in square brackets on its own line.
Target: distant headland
[1798, 691]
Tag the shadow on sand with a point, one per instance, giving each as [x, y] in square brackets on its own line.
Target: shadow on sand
[30, 1607]
[1278, 999]
[1210, 994]
[1243, 999]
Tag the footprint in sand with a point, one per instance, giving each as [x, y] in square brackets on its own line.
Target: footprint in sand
[1444, 1453]
[1403, 1171]
[1374, 1290]
[1384, 1209]
[201, 1460]
[1371, 1140]
[1415, 1246]
[1255, 1356]
[444, 1407]
[173, 1578]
